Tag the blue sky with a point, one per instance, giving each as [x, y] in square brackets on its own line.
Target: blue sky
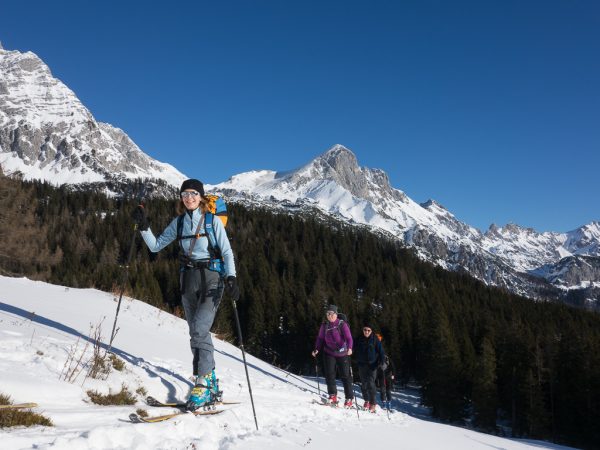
[492, 108]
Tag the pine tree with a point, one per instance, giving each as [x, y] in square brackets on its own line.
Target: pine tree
[441, 390]
[484, 397]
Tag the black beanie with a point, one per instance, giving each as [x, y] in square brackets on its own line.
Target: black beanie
[194, 184]
[332, 308]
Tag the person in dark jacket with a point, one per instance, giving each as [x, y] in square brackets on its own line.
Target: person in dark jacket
[385, 381]
[369, 354]
[335, 341]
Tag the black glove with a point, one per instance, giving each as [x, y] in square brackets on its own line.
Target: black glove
[139, 217]
[232, 287]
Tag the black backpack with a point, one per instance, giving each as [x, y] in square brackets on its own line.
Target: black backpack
[343, 318]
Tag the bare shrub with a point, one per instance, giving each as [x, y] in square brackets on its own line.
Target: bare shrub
[74, 362]
[123, 397]
[141, 391]
[116, 362]
[20, 417]
[98, 365]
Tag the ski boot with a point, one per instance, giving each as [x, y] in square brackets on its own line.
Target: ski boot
[332, 400]
[213, 383]
[205, 393]
[348, 403]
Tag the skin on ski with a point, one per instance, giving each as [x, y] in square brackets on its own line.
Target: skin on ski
[151, 401]
[362, 408]
[19, 406]
[324, 402]
[135, 418]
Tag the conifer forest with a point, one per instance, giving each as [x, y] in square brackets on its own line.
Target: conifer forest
[482, 357]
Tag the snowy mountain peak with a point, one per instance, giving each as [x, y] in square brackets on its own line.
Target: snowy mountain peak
[340, 165]
[591, 230]
[30, 95]
[339, 158]
[584, 240]
[47, 133]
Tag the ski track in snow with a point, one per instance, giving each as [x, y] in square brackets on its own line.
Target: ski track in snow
[41, 324]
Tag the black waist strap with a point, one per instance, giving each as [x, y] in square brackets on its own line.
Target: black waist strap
[196, 264]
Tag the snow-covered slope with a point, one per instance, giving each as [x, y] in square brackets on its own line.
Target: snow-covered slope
[40, 324]
[47, 133]
[511, 257]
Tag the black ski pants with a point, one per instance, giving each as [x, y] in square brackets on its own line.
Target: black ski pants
[367, 382]
[343, 365]
[385, 383]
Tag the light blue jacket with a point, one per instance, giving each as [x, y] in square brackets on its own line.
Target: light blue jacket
[190, 224]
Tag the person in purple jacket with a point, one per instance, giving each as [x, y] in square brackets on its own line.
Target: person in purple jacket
[335, 340]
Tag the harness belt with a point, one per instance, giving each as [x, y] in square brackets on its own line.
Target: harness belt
[194, 264]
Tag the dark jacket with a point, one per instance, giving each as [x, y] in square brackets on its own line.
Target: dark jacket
[334, 338]
[369, 351]
[386, 370]
[390, 368]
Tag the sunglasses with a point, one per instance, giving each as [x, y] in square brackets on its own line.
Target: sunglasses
[189, 194]
[367, 330]
[331, 313]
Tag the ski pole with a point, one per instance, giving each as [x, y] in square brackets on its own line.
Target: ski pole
[387, 396]
[353, 391]
[239, 330]
[317, 373]
[123, 282]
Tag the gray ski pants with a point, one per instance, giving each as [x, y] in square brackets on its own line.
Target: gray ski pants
[201, 292]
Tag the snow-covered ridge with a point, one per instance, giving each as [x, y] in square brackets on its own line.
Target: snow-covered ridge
[40, 324]
[47, 133]
[505, 256]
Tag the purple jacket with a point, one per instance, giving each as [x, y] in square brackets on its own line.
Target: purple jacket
[333, 339]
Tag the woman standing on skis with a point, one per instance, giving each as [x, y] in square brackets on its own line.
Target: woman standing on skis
[201, 286]
[335, 339]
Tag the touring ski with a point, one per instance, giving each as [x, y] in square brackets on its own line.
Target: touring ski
[151, 401]
[19, 406]
[136, 418]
